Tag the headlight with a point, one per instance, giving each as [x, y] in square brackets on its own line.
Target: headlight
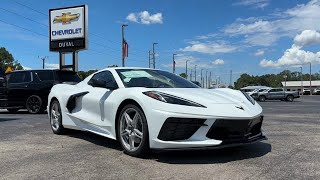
[167, 98]
[249, 98]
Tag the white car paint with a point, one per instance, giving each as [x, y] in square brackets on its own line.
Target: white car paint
[96, 111]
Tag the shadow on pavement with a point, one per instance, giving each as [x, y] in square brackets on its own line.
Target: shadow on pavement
[213, 156]
[95, 139]
[8, 119]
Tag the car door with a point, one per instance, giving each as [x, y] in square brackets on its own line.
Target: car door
[96, 103]
[17, 88]
[271, 94]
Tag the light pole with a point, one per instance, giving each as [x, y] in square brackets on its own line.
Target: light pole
[210, 80]
[310, 79]
[187, 69]
[154, 57]
[149, 58]
[301, 91]
[195, 72]
[122, 28]
[43, 60]
[190, 74]
[206, 79]
[173, 64]
[202, 84]
[285, 82]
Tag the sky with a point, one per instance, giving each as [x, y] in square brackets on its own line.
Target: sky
[246, 36]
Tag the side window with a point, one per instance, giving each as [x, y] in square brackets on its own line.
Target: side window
[20, 77]
[45, 75]
[272, 90]
[105, 76]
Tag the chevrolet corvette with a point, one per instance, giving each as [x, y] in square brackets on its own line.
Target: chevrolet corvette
[152, 109]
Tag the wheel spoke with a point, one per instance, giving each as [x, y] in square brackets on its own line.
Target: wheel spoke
[128, 119]
[135, 120]
[138, 133]
[125, 132]
[131, 142]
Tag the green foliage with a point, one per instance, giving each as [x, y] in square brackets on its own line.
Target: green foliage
[6, 60]
[183, 75]
[272, 80]
[84, 74]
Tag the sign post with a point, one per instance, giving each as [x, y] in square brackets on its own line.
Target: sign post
[68, 28]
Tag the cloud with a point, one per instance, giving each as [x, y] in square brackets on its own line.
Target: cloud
[253, 3]
[51, 66]
[26, 68]
[145, 17]
[218, 62]
[209, 47]
[271, 28]
[260, 52]
[307, 37]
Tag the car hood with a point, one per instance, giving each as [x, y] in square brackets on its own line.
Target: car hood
[206, 96]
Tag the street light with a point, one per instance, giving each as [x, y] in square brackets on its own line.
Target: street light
[195, 72]
[122, 28]
[285, 82]
[154, 57]
[187, 69]
[201, 78]
[173, 64]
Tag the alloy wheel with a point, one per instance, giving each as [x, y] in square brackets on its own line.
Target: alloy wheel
[55, 116]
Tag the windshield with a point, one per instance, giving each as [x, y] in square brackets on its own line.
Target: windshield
[152, 79]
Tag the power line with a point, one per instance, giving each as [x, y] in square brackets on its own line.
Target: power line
[31, 8]
[24, 28]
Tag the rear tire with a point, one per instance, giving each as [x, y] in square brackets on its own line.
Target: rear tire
[56, 118]
[289, 98]
[13, 110]
[34, 104]
[132, 131]
[262, 98]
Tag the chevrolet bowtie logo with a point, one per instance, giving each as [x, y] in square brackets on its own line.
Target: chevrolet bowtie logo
[66, 18]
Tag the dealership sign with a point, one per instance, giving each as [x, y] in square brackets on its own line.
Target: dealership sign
[68, 29]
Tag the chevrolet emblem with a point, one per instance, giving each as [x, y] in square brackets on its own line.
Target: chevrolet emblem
[66, 18]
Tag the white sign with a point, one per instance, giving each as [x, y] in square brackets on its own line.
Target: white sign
[68, 23]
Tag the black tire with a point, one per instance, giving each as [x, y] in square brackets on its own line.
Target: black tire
[13, 110]
[34, 104]
[289, 98]
[56, 118]
[262, 98]
[144, 146]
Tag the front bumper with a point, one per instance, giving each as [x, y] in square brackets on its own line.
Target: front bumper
[205, 132]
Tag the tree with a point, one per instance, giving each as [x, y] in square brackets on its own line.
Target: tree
[7, 60]
[84, 74]
[183, 75]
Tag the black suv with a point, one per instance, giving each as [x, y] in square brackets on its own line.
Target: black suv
[30, 88]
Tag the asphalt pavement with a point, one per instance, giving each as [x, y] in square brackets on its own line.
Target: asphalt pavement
[29, 150]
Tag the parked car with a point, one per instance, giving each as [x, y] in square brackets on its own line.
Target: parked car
[253, 89]
[306, 91]
[147, 108]
[30, 88]
[316, 91]
[276, 94]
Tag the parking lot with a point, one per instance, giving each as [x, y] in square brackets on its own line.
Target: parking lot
[29, 150]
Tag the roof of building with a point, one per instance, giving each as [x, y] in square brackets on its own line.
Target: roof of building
[298, 83]
[255, 87]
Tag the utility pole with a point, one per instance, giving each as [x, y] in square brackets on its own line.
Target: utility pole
[154, 57]
[122, 28]
[187, 69]
[202, 84]
[195, 72]
[149, 59]
[230, 77]
[210, 79]
[310, 80]
[301, 81]
[190, 74]
[206, 79]
[173, 64]
[43, 60]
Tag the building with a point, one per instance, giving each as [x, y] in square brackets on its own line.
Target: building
[297, 85]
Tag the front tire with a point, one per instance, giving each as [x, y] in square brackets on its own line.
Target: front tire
[290, 98]
[262, 98]
[56, 118]
[34, 104]
[132, 131]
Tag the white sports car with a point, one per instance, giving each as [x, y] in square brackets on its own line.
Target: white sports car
[152, 109]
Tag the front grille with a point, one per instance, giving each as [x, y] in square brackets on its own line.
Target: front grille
[179, 128]
[229, 130]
